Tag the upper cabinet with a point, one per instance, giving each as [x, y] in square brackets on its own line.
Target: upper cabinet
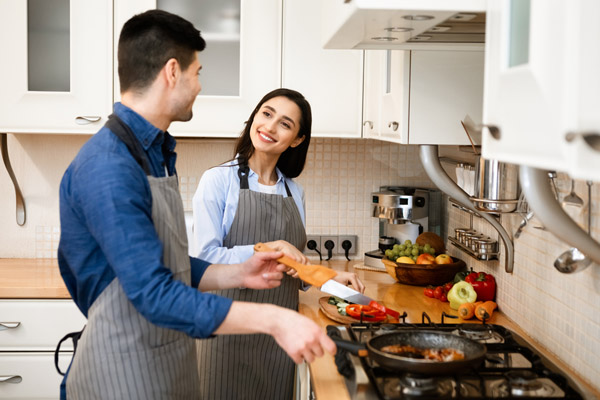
[56, 72]
[421, 97]
[541, 85]
[240, 63]
[331, 80]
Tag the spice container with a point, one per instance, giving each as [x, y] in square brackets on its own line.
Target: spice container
[470, 238]
[462, 233]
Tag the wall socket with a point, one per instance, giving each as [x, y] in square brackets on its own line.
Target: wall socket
[337, 244]
[353, 239]
[317, 240]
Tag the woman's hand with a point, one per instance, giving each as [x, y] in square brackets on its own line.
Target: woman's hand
[291, 251]
[345, 278]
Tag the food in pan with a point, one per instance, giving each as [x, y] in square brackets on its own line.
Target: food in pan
[427, 354]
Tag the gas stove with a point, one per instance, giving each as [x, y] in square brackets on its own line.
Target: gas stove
[512, 367]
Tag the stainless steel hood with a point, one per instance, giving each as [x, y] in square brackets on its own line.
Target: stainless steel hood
[404, 24]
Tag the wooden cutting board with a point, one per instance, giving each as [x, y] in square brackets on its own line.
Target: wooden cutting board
[332, 313]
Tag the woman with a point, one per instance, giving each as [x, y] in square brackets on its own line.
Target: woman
[248, 200]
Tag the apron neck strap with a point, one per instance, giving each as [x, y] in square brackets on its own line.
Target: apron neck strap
[243, 172]
[124, 132]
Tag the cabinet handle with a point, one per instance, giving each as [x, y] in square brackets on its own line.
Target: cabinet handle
[9, 325]
[592, 139]
[10, 378]
[85, 120]
[394, 125]
[493, 130]
[370, 123]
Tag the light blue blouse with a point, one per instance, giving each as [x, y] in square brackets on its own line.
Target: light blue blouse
[215, 204]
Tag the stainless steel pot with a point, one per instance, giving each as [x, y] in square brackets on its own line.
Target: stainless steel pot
[496, 186]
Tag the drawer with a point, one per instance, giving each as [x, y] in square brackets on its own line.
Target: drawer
[41, 324]
[33, 375]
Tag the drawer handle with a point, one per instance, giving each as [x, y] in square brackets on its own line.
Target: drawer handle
[394, 125]
[85, 120]
[9, 325]
[10, 379]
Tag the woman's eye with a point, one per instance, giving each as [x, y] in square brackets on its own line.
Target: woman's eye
[286, 125]
[266, 113]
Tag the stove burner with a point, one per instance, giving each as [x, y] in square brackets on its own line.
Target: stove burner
[385, 328]
[415, 385]
[525, 384]
[479, 332]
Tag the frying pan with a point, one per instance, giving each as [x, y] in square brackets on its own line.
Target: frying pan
[474, 351]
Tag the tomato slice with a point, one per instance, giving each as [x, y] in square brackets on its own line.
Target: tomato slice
[384, 309]
[367, 313]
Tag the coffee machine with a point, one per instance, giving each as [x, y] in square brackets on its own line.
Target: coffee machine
[403, 213]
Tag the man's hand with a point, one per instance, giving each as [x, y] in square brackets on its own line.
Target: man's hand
[297, 335]
[262, 270]
[291, 251]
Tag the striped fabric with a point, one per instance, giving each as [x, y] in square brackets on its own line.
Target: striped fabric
[237, 367]
[123, 356]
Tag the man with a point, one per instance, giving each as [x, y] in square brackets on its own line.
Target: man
[123, 247]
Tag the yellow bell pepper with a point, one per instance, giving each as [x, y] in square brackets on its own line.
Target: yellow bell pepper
[461, 292]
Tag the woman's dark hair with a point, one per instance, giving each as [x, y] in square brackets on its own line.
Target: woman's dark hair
[292, 160]
[149, 40]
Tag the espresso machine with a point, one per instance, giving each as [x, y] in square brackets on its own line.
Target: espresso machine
[403, 213]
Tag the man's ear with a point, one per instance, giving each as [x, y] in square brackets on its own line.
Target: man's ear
[297, 141]
[171, 71]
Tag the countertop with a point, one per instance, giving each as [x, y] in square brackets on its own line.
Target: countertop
[328, 384]
[40, 279]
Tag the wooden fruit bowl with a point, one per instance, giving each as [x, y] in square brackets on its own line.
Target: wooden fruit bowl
[423, 274]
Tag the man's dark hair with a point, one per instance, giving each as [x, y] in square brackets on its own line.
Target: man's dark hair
[291, 161]
[149, 40]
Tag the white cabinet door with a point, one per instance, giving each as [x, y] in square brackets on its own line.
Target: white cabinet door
[56, 70]
[445, 86]
[395, 95]
[525, 82]
[423, 95]
[374, 72]
[40, 324]
[31, 376]
[241, 62]
[331, 80]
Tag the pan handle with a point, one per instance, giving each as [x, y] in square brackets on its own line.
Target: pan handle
[357, 349]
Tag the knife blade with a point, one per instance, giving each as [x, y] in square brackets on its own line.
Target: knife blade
[344, 292]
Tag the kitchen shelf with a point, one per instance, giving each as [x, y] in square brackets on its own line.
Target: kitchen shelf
[478, 256]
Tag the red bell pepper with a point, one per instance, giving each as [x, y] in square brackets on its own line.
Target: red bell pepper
[484, 285]
[366, 313]
[384, 309]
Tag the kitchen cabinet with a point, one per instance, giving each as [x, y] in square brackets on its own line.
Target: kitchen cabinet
[420, 97]
[29, 333]
[541, 85]
[331, 80]
[57, 65]
[241, 62]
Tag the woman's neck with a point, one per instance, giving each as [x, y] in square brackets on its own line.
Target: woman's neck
[264, 166]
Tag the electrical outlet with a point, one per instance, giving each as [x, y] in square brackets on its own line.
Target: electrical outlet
[317, 240]
[353, 239]
[324, 250]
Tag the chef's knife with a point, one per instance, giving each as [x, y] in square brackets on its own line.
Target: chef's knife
[344, 292]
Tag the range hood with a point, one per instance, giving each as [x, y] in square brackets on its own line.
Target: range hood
[404, 24]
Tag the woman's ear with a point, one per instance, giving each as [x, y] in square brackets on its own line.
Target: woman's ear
[297, 141]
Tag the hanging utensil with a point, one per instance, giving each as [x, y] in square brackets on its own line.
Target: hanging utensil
[572, 199]
[315, 275]
[574, 260]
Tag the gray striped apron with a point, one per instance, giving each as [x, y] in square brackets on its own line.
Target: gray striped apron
[236, 367]
[121, 355]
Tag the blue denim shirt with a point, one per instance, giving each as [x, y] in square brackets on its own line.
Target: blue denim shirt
[107, 232]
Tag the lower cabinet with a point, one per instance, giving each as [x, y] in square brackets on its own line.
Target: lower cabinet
[31, 375]
[29, 333]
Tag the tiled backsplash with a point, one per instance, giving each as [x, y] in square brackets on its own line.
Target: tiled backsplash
[338, 178]
[560, 311]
